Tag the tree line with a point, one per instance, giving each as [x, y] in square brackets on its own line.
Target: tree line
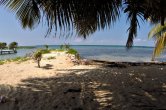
[12, 45]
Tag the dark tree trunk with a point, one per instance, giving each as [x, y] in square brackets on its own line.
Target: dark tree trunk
[38, 62]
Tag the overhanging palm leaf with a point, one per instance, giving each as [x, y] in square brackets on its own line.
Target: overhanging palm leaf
[159, 34]
[86, 16]
[160, 45]
[27, 11]
[134, 9]
[157, 31]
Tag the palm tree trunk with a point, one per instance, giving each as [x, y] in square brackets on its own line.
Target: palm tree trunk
[38, 62]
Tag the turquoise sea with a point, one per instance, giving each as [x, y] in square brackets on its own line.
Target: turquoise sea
[103, 52]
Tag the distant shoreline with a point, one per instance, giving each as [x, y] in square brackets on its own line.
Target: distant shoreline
[26, 47]
[91, 45]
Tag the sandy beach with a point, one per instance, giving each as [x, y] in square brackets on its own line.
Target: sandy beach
[61, 85]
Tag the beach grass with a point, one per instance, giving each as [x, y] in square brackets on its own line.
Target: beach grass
[17, 59]
[1, 62]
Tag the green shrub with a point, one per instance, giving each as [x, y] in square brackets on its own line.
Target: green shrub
[18, 59]
[72, 51]
[38, 56]
[1, 62]
[60, 50]
[44, 51]
[65, 46]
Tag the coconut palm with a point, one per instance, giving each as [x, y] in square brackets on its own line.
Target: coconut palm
[159, 34]
[38, 57]
[84, 17]
[65, 46]
[13, 46]
[3, 45]
[46, 46]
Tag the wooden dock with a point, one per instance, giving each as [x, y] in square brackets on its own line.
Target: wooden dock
[6, 52]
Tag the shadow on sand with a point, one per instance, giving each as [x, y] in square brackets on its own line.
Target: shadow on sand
[47, 67]
[96, 89]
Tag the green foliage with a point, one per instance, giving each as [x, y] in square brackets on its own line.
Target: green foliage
[3, 45]
[46, 46]
[17, 59]
[38, 55]
[72, 51]
[85, 17]
[13, 45]
[1, 62]
[65, 47]
[156, 31]
[44, 51]
[159, 34]
[59, 50]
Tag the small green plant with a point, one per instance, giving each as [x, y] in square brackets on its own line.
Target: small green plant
[17, 59]
[3, 45]
[65, 47]
[1, 62]
[46, 46]
[59, 50]
[37, 57]
[20, 59]
[74, 52]
[44, 51]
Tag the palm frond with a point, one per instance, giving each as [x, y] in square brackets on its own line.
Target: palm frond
[160, 45]
[157, 31]
[27, 11]
[134, 9]
[87, 16]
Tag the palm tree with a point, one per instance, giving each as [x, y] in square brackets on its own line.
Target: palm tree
[38, 57]
[65, 46]
[85, 17]
[3, 45]
[13, 46]
[159, 34]
[46, 46]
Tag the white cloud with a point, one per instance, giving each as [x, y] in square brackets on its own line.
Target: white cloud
[140, 40]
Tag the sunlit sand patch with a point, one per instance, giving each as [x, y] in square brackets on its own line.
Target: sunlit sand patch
[150, 96]
[103, 97]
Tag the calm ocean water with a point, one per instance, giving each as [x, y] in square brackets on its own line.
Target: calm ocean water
[106, 53]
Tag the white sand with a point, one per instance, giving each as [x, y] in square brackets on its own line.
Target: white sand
[13, 73]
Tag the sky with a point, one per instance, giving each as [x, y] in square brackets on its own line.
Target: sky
[11, 30]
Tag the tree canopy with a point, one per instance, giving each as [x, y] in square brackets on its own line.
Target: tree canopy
[13, 45]
[87, 16]
[3, 45]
